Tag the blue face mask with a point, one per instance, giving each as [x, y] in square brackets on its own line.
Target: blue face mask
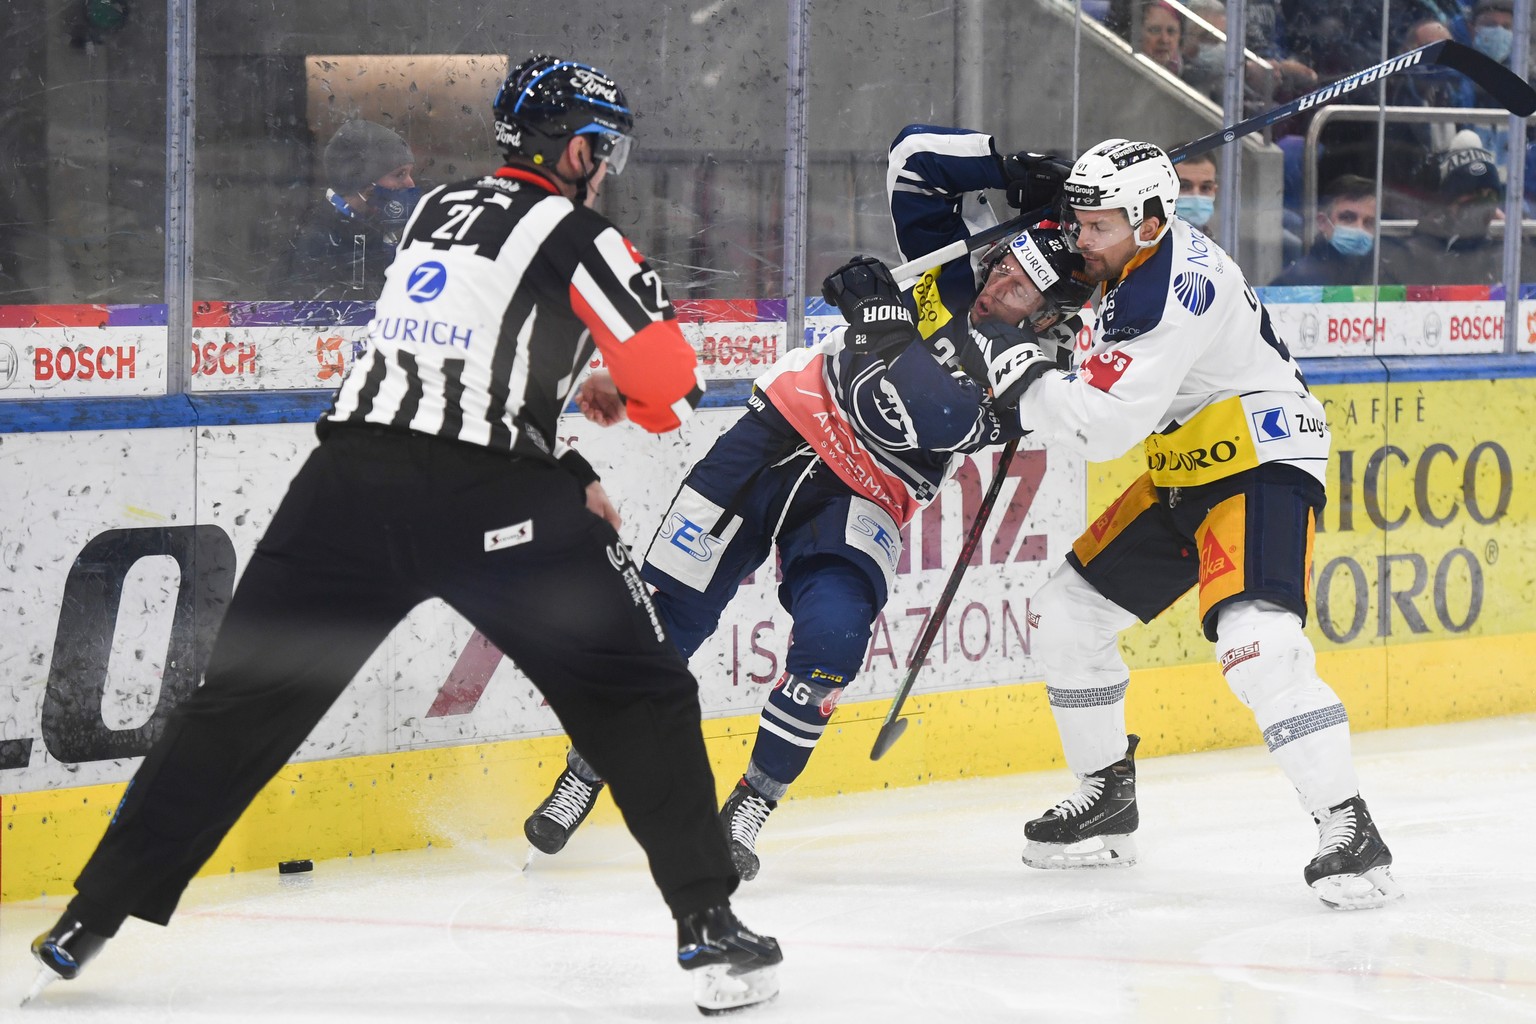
[1495, 41]
[393, 205]
[1351, 241]
[1195, 209]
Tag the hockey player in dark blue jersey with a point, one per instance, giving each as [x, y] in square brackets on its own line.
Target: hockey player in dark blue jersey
[842, 443]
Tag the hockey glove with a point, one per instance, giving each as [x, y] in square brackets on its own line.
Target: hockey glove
[866, 293]
[1008, 358]
[1034, 179]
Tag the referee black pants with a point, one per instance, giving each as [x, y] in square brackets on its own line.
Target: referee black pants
[375, 523]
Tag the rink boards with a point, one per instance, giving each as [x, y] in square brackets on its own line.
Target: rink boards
[126, 524]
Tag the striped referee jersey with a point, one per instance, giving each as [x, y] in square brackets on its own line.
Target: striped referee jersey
[498, 294]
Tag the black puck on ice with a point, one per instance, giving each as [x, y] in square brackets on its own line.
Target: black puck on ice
[294, 867]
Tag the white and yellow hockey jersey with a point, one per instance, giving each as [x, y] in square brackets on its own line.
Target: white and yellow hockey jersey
[1185, 360]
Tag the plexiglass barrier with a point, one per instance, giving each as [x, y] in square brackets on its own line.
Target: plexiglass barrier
[759, 162]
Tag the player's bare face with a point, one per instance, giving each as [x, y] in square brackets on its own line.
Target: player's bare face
[1105, 239]
[1009, 296]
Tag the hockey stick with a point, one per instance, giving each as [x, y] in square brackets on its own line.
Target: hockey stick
[1508, 89]
[893, 727]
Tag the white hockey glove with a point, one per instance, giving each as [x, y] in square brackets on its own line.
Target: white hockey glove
[1009, 358]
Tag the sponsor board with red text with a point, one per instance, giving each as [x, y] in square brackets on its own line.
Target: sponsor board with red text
[93, 670]
[93, 362]
[1420, 328]
[272, 358]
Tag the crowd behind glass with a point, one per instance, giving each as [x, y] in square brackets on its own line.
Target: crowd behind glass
[354, 160]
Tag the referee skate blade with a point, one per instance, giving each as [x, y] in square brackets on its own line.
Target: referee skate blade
[1096, 852]
[1367, 891]
[890, 732]
[720, 989]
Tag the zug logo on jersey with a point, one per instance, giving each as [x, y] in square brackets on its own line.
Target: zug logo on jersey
[426, 281]
[1270, 425]
[1195, 292]
[689, 537]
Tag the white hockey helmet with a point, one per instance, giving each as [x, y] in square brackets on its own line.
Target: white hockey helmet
[1136, 177]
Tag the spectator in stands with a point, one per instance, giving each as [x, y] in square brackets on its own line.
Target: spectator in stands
[1162, 35]
[1197, 191]
[342, 249]
[1409, 174]
[1430, 86]
[1453, 243]
[1346, 234]
[1204, 58]
[1205, 54]
[1492, 33]
[1493, 29]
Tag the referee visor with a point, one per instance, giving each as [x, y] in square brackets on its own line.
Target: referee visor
[609, 146]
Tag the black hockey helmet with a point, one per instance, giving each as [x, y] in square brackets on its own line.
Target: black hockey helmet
[1051, 262]
[545, 101]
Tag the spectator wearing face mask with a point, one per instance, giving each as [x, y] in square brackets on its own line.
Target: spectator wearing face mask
[1197, 191]
[1453, 242]
[1493, 29]
[1346, 230]
[343, 247]
[1492, 33]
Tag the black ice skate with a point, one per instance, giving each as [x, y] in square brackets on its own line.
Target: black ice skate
[733, 967]
[1092, 827]
[63, 951]
[1353, 867]
[550, 826]
[743, 816]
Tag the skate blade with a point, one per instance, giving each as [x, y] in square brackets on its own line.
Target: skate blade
[1374, 888]
[720, 988]
[1094, 852]
[45, 977]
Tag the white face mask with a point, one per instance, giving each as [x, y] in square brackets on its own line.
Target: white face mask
[1495, 41]
[1197, 210]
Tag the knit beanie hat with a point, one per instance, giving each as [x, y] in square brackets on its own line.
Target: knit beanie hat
[362, 152]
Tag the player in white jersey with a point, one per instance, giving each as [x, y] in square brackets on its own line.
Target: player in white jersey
[1185, 360]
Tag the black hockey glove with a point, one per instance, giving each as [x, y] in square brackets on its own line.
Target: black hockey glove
[866, 293]
[1008, 358]
[1034, 179]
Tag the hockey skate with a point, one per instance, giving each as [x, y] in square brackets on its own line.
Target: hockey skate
[743, 816]
[63, 951]
[1092, 827]
[1353, 867]
[550, 826]
[733, 967]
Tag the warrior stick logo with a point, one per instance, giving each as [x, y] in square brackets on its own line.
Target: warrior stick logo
[1355, 81]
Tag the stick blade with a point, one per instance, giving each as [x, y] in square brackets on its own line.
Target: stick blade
[1512, 92]
[890, 732]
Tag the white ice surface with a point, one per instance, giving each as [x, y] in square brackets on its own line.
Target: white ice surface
[900, 906]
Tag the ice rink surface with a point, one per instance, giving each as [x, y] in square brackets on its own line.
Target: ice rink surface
[907, 905]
